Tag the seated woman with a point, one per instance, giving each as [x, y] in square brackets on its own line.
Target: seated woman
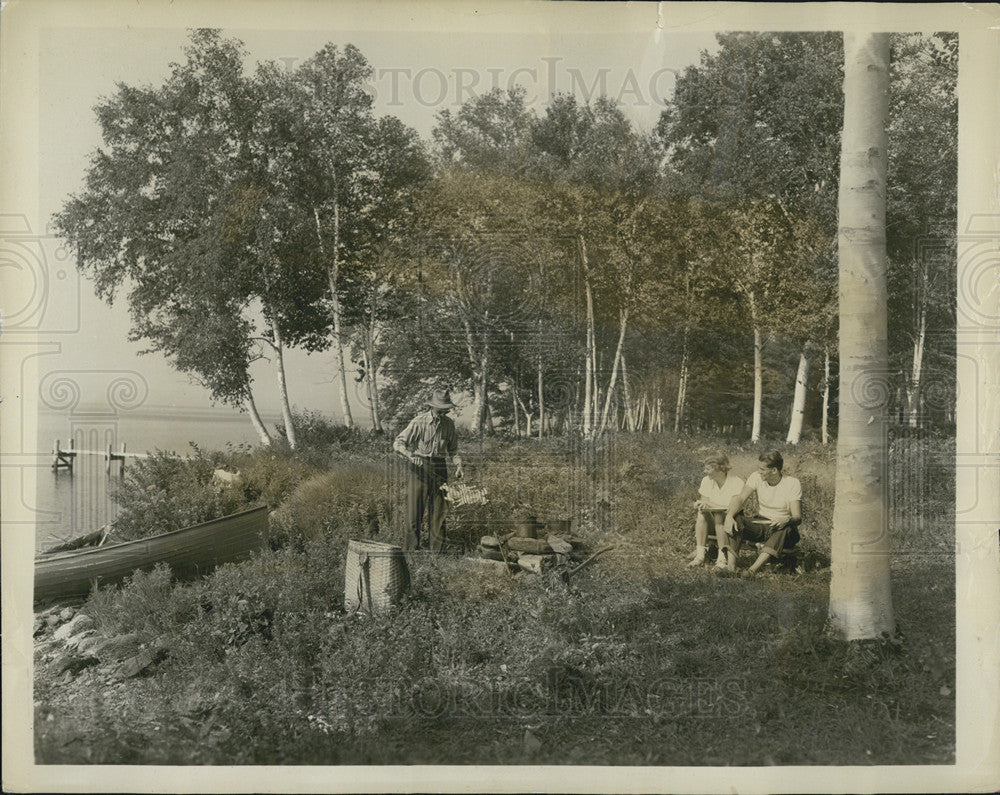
[717, 490]
[779, 498]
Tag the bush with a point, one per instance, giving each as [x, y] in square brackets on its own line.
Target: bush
[321, 441]
[146, 603]
[270, 476]
[346, 502]
[163, 493]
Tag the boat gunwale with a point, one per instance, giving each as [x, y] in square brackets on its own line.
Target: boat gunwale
[74, 553]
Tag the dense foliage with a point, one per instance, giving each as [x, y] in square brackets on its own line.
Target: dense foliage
[561, 268]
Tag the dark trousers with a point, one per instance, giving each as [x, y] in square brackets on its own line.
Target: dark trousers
[757, 528]
[425, 487]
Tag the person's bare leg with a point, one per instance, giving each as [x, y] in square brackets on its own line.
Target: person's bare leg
[700, 539]
[725, 550]
[762, 558]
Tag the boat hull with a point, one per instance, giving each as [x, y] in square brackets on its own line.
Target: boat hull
[190, 552]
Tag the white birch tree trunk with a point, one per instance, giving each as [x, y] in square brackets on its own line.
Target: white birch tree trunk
[371, 385]
[860, 592]
[596, 409]
[630, 410]
[256, 421]
[826, 396]
[913, 387]
[279, 366]
[681, 391]
[799, 400]
[377, 404]
[371, 366]
[527, 415]
[758, 382]
[345, 405]
[541, 392]
[589, 368]
[484, 406]
[513, 402]
[622, 322]
[478, 366]
[333, 276]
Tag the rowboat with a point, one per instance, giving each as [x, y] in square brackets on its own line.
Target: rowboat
[190, 552]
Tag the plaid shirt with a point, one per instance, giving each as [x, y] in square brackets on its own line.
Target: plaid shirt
[428, 435]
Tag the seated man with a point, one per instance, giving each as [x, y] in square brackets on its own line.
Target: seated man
[717, 490]
[779, 498]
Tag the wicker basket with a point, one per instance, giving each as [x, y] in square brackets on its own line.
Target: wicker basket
[459, 494]
[376, 576]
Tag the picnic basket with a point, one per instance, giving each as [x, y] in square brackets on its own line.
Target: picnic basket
[375, 576]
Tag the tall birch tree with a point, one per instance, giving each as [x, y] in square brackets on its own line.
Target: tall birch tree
[860, 591]
[171, 210]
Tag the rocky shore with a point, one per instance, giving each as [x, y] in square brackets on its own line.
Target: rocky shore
[69, 646]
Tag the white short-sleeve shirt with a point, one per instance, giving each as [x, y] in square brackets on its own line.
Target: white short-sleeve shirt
[718, 497]
[775, 501]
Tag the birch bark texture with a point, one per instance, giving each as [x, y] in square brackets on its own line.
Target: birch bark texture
[860, 591]
[799, 400]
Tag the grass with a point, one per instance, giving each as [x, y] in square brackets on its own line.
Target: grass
[637, 660]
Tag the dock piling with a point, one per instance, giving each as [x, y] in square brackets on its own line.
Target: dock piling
[112, 456]
[63, 459]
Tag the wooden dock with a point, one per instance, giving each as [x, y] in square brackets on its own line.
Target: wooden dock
[64, 459]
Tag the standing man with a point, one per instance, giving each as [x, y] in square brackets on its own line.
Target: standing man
[779, 501]
[427, 442]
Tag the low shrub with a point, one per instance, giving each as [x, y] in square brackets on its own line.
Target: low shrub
[163, 493]
[270, 476]
[348, 501]
[320, 440]
[146, 603]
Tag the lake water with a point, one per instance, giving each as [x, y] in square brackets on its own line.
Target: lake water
[69, 504]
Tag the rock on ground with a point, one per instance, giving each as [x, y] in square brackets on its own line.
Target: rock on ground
[78, 624]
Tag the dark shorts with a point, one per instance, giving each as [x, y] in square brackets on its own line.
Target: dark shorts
[757, 529]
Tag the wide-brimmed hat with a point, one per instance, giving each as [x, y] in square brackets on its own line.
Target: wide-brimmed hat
[440, 399]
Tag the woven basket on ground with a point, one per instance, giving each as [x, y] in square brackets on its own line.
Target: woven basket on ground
[375, 576]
